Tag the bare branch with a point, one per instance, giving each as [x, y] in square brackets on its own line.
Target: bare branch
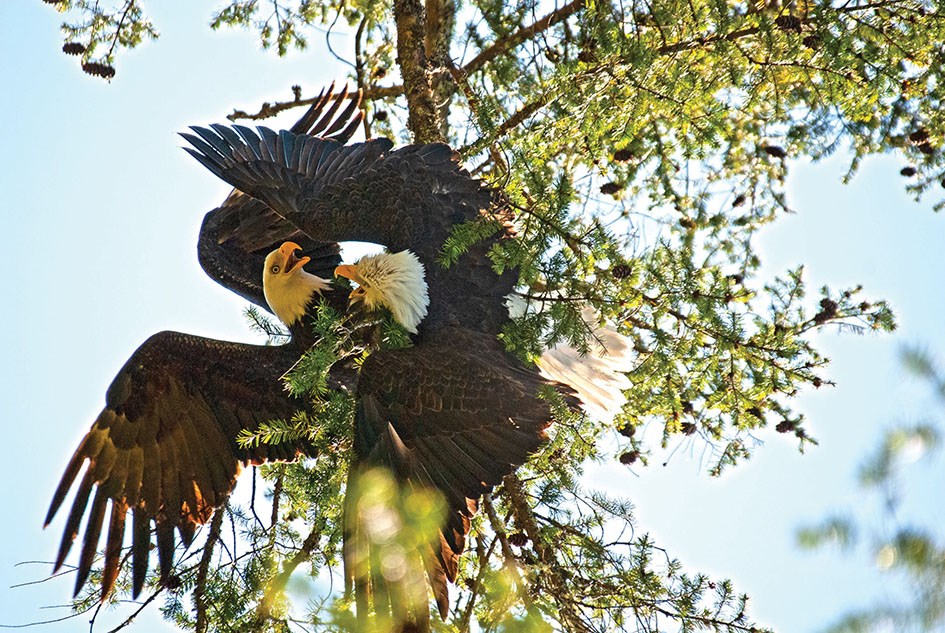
[202, 571]
[504, 44]
[268, 110]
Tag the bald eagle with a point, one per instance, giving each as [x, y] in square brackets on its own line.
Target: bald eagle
[164, 447]
[456, 411]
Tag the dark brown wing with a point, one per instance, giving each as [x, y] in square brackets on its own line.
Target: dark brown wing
[408, 198]
[236, 237]
[455, 413]
[165, 446]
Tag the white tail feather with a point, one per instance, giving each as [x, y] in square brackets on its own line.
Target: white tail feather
[598, 377]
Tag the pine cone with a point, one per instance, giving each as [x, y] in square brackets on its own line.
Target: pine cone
[622, 155]
[621, 271]
[788, 23]
[610, 188]
[811, 41]
[97, 69]
[73, 48]
[919, 136]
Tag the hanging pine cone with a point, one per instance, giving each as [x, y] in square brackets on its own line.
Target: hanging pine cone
[610, 188]
[621, 271]
[811, 41]
[628, 458]
[73, 48]
[908, 171]
[919, 136]
[97, 69]
[774, 150]
[622, 155]
[518, 539]
[926, 148]
[788, 23]
[739, 200]
[380, 115]
[628, 430]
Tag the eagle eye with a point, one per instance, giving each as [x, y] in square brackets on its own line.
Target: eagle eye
[275, 269]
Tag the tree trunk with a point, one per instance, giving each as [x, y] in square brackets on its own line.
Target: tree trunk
[415, 70]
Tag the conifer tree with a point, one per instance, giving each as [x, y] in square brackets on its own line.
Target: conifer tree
[643, 146]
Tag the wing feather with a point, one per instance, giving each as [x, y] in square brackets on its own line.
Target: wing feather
[456, 413]
[161, 448]
[140, 549]
[116, 534]
[93, 530]
[236, 237]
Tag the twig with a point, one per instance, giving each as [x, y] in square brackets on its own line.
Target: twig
[279, 581]
[203, 570]
[511, 562]
[131, 617]
[268, 110]
[121, 22]
[508, 42]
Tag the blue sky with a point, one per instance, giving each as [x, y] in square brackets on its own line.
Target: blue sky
[100, 223]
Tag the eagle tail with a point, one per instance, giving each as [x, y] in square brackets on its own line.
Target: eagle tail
[398, 600]
[598, 377]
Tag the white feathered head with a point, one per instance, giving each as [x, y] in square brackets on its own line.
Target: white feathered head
[393, 280]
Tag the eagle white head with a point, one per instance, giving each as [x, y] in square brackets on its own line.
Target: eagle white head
[393, 280]
[289, 289]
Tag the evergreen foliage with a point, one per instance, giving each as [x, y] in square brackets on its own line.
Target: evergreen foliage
[642, 147]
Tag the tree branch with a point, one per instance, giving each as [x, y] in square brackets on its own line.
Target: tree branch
[279, 581]
[203, 569]
[440, 20]
[557, 585]
[422, 118]
[268, 110]
[508, 42]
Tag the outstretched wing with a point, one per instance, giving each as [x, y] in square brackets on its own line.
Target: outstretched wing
[165, 446]
[456, 414]
[409, 198]
[236, 237]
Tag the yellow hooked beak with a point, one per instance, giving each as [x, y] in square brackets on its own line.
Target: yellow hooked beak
[351, 272]
[291, 261]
